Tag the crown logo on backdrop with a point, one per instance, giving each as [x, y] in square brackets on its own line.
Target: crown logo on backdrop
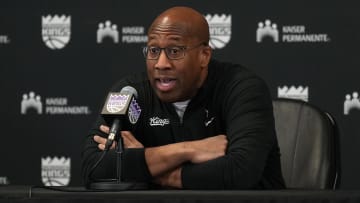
[351, 102]
[219, 19]
[300, 93]
[56, 31]
[55, 161]
[220, 30]
[56, 20]
[267, 29]
[56, 171]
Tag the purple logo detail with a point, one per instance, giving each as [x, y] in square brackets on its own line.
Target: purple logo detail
[134, 111]
[116, 103]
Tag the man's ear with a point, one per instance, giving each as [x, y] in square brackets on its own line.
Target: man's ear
[205, 56]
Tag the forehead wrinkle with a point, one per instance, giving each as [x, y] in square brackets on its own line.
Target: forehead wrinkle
[169, 37]
[174, 28]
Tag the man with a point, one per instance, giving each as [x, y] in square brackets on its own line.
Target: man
[203, 125]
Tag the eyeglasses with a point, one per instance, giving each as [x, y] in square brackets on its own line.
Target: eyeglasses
[172, 53]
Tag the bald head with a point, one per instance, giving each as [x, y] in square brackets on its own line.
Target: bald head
[183, 20]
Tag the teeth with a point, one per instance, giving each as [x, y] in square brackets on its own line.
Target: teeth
[165, 80]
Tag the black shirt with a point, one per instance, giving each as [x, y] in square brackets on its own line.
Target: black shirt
[232, 101]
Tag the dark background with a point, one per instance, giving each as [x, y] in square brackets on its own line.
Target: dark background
[83, 70]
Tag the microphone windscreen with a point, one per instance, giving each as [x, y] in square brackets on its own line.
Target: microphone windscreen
[129, 90]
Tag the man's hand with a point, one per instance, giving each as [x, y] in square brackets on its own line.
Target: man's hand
[163, 159]
[208, 148]
[203, 150]
[128, 139]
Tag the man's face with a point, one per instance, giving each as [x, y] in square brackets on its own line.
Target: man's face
[180, 79]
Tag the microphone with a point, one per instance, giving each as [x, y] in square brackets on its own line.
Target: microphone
[122, 110]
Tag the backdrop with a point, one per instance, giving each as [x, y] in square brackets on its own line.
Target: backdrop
[59, 59]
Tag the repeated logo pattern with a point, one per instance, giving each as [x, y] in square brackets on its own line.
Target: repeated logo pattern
[220, 30]
[31, 101]
[301, 93]
[267, 29]
[56, 31]
[289, 33]
[55, 171]
[107, 30]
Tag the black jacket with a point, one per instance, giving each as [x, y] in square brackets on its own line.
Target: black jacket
[232, 101]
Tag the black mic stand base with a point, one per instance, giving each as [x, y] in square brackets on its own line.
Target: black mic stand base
[118, 186]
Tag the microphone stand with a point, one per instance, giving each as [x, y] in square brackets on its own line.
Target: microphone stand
[119, 184]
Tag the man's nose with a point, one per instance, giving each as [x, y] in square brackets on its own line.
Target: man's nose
[163, 61]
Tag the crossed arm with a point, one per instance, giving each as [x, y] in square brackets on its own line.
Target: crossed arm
[165, 162]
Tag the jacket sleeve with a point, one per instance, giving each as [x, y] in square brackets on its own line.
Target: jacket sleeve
[249, 126]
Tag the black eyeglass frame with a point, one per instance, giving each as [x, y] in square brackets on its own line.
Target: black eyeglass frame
[167, 51]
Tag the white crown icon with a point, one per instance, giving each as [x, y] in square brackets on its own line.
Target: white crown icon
[293, 92]
[218, 19]
[351, 103]
[56, 19]
[219, 29]
[56, 171]
[267, 29]
[55, 161]
[56, 31]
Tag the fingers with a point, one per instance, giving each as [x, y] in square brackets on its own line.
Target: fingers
[101, 142]
[130, 141]
[105, 129]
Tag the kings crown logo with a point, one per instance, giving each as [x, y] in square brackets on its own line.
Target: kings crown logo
[116, 102]
[220, 30]
[134, 111]
[56, 31]
[55, 171]
[300, 93]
